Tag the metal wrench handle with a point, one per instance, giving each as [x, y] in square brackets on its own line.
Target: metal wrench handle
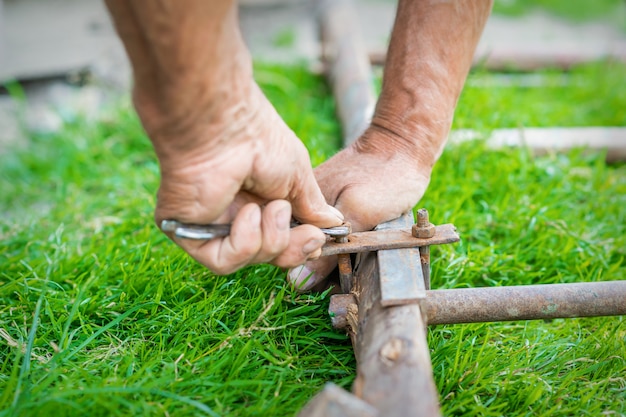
[215, 231]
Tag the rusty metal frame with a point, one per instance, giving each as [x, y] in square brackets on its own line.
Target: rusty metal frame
[381, 239]
[390, 304]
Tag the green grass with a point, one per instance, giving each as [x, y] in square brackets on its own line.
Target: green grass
[101, 315]
[286, 38]
[588, 95]
[575, 10]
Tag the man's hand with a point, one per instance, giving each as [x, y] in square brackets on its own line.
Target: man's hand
[369, 185]
[225, 154]
[256, 174]
[386, 172]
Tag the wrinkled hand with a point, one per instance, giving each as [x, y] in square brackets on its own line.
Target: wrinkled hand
[369, 185]
[244, 167]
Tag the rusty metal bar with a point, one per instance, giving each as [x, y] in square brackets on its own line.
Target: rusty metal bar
[390, 239]
[344, 265]
[498, 60]
[547, 140]
[525, 302]
[341, 305]
[425, 260]
[401, 277]
[423, 228]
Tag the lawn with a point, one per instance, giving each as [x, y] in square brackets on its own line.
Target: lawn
[576, 11]
[101, 315]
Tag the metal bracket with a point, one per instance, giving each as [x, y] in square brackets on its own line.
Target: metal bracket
[403, 258]
[385, 239]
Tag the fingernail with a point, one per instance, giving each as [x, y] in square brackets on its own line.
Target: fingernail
[312, 245]
[336, 213]
[301, 277]
[283, 218]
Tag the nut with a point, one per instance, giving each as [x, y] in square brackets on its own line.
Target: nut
[424, 232]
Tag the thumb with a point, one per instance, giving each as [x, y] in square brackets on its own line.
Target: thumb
[307, 276]
[310, 207]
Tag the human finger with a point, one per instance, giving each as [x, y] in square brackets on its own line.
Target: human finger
[275, 226]
[226, 255]
[308, 203]
[305, 243]
[306, 276]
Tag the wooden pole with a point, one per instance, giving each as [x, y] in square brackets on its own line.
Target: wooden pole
[546, 140]
[347, 67]
[394, 370]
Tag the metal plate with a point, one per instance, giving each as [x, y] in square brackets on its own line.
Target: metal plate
[401, 277]
[389, 239]
[400, 270]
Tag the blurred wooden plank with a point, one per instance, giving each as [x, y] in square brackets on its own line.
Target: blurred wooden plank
[544, 140]
[347, 67]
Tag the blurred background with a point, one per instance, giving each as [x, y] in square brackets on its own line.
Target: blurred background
[66, 58]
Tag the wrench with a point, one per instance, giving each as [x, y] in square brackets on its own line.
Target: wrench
[215, 230]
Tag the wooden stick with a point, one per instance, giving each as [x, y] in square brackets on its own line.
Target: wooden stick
[545, 140]
[502, 61]
[334, 401]
[394, 371]
[347, 67]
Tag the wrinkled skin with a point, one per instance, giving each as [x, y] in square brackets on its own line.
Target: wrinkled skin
[254, 177]
[351, 181]
[226, 156]
[386, 172]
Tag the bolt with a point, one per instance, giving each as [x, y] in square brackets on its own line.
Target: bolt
[422, 218]
[344, 263]
[423, 228]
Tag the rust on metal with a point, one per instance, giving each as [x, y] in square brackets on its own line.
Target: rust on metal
[344, 264]
[338, 309]
[423, 228]
[525, 302]
[400, 273]
[425, 261]
[401, 277]
[389, 239]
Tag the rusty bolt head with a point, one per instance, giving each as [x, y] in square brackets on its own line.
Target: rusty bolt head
[424, 232]
[340, 305]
